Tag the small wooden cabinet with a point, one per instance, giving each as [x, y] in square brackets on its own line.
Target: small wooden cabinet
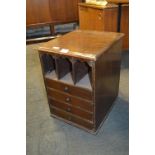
[103, 18]
[81, 71]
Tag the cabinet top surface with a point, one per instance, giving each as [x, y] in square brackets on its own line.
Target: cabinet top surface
[82, 44]
[118, 1]
[108, 6]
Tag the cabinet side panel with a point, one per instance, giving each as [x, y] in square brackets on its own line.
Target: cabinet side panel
[107, 75]
[84, 18]
[125, 25]
[110, 19]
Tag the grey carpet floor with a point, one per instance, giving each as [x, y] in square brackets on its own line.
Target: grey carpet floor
[49, 136]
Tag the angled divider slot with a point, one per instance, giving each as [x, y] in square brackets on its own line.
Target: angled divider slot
[48, 66]
[67, 70]
[82, 74]
[48, 63]
[63, 68]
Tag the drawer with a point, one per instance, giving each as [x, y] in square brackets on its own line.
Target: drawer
[71, 109]
[69, 117]
[66, 98]
[80, 92]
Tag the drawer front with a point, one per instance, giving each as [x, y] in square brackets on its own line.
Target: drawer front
[63, 97]
[80, 92]
[71, 109]
[71, 118]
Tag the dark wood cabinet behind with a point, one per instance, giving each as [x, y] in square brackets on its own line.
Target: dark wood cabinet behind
[64, 10]
[39, 12]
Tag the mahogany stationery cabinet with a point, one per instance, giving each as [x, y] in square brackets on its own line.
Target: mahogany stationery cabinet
[81, 72]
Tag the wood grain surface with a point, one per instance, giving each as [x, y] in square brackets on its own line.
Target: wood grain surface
[87, 45]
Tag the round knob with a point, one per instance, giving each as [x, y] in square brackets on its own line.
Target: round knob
[69, 109]
[66, 89]
[68, 99]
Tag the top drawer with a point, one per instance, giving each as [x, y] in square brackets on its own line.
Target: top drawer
[72, 90]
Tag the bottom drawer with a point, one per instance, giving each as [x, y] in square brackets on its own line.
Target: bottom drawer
[71, 118]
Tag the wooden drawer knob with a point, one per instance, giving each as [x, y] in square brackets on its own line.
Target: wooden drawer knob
[66, 89]
[68, 109]
[68, 99]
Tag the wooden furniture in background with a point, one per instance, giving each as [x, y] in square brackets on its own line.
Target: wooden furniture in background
[81, 71]
[123, 19]
[63, 11]
[113, 17]
[92, 17]
[51, 12]
[37, 12]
